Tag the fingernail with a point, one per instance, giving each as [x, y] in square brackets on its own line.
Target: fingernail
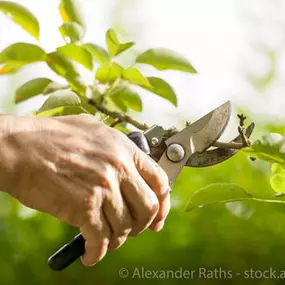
[86, 262]
[158, 226]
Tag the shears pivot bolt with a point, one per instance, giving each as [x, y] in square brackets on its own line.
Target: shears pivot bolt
[175, 152]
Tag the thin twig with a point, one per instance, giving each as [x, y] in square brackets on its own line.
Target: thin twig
[242, 118]
[232, 145]
[102, 100]
[120, 116]
[241, 130]
[115, 123]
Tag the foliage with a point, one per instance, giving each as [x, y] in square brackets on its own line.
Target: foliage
[112, 82]
[239, 185]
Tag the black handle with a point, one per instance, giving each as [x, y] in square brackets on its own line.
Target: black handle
[67, 254]
[73, 250]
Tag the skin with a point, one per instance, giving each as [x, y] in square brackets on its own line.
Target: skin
[85, 174]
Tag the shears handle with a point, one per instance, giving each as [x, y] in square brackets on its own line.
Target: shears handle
[67, 254]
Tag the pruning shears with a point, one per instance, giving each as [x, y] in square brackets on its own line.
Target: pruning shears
[172, 150]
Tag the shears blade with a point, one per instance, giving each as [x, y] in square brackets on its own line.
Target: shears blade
[197, 137]
[217, 155]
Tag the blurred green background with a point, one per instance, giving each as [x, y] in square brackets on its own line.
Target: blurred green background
[237, 48]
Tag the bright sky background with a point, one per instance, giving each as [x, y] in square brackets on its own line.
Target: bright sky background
[226, 40]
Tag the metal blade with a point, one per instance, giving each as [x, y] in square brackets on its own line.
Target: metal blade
[196, 138]
[218, 155]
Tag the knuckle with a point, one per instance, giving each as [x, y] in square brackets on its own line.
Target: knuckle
[124, 227]
[140, 224]
[140, 159]
[149, 212]
[88, 203]
[105, 176]
[136, 156]
[117, 242]
[89, 219]
[118, 161]
[153, 208]
[162, 178]
[161, 184]
[123, 232]
[88, 211]
[104, 170]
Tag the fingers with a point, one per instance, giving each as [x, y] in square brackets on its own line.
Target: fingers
[141, 201]
[119, 218]
[97, 235]
[157, 180]
[96, 231]
[163, 212]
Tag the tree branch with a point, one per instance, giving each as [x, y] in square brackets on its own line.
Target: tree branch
[125, 118]
[119, 116]
[242, 132]
[231, 145]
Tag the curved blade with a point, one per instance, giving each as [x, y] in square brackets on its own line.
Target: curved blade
[218, 155]
[196, 138]
[204, 132]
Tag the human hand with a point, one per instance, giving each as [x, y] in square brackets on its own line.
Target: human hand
[88, 175]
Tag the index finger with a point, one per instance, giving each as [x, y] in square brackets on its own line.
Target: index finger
[157, 180]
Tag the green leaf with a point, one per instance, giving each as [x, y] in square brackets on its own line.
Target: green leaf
[134, 76]
[73, 110]
[71, 32]
[122, 128]
[60, 98]
[31, 88]
[277, 168]
[21, 16]
[61, 65]
[78, 54]
[70, 12]
[108, 72]
[114, 45]
[270, 147]
[124, 97]
[124, 47]
[217, 193]
[163, 89]
[50, 113]
[277, 181]
[119, 104]
[54, 86]
[21, 54]
[99, 54]
[88, 107]
[63, 111]
[78, 84]
[164, 59]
